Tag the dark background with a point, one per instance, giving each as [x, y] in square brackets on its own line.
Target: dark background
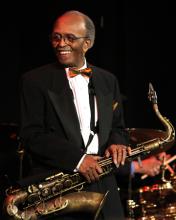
[135, 40]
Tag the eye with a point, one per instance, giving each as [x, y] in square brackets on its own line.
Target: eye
[56, 37]
[71, 37]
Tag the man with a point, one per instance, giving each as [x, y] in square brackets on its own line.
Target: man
[62, 130]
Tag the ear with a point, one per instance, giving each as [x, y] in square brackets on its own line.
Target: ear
[87, 45]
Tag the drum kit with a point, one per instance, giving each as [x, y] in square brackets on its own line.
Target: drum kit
[156, 201]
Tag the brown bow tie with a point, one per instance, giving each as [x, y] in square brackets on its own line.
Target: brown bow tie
[85, 72]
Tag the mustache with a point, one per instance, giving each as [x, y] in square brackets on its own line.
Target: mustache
[58, 48]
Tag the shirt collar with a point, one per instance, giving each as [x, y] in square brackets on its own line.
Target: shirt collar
[83, 67]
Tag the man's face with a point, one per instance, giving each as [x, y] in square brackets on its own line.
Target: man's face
[69, 40]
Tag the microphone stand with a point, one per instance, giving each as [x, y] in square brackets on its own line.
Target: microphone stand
[130, 203]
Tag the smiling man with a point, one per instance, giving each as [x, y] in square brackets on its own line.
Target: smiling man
[71, 116]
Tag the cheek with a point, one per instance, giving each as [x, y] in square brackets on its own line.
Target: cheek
[81, 48]
[78, 51]
[53, 44]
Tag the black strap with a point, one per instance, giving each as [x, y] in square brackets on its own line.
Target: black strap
[93, 128]
[92, 104]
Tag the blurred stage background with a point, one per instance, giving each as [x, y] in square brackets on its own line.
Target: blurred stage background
[135, 40]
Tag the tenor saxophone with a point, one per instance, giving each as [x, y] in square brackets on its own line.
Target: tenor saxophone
[63, 193]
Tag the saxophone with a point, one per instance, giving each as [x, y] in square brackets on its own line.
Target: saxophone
[63, 193]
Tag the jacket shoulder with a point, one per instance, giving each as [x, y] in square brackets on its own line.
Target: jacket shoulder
[40, 70]
[104, 73]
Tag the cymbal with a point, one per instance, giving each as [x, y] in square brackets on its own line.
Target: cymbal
[140, 135]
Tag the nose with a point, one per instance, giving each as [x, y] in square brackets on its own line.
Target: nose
[61, 42]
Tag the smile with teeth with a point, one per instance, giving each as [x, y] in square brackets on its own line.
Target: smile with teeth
[64, 52]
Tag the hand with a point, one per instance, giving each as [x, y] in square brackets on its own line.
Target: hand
[150, 166]
[118, 153]
[90, 168]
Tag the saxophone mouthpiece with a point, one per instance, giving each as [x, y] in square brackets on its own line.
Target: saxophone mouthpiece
[152, 94]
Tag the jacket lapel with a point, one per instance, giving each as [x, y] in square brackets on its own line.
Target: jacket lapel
[104, 103]
[62, 99]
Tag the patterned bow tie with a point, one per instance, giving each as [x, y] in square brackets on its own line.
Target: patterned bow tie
[85, 72]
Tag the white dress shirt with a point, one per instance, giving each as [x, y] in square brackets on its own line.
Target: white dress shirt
[79, 87]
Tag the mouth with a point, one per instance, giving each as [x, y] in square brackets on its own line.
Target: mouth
[63, 52]
[63, 55]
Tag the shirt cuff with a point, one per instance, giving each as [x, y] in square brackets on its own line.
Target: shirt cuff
[132, 169]
[77, 167]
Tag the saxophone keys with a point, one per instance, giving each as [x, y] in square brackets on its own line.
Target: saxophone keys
[57, 188]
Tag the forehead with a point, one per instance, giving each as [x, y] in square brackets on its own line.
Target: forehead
[70, 23]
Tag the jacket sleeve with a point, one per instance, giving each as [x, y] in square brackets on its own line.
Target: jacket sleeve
[118, 134]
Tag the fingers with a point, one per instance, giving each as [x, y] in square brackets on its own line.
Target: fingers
[156, 170]
[129, 150]
[118, 153]
[91, 175]
[121, 155]
[151, 166]
[153, 170]
[90, 168]
[154, 165]
[107, 153]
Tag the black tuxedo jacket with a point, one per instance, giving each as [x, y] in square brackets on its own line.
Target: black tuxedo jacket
[50, 127]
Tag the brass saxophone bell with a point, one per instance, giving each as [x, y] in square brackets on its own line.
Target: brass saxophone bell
[89, 203]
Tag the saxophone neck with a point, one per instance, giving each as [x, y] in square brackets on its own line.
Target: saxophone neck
[170, 131]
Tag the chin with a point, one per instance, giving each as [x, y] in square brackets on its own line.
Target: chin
[66, 63]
